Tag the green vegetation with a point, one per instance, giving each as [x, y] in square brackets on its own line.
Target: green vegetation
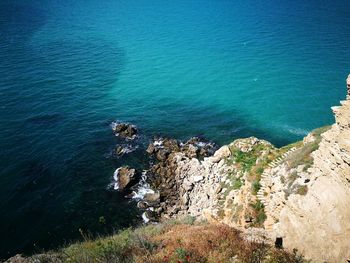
[237, 183]
[172, 243]
[255, 161]
[260, 216]
[302, 156]
[301, 189]
[234, 184]
[246, 160]
[255, 187]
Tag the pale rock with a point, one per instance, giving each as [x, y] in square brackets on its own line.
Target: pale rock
[223, 152]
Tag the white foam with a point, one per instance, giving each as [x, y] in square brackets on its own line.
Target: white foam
[128, 149]
[158, 143]
[114, 125]
[295, 130]
[115, 177]
[202, 144]
[143, 188]
[145, 218]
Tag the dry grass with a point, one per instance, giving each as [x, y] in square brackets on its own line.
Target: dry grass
[303, 155]
[173, 243]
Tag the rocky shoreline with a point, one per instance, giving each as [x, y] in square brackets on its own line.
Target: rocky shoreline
[249, 184]
[193, 178]
[160, 193]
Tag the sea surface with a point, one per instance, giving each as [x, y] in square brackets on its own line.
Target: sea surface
[221, 69]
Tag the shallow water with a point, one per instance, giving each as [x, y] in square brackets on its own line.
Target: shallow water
[220, 69]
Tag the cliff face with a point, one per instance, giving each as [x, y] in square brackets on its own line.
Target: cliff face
[298, 194]
[318, 223]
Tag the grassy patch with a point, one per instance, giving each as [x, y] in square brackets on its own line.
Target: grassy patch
[260, 216]
[302, 156]
[246, 160]
[255, 161]
[235, 183]
[255, 187]
[174, 243]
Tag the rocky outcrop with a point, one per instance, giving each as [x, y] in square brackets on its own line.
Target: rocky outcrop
[171, 156]
[297, 195]
[216, 187]
[124, 130]
[124, 177]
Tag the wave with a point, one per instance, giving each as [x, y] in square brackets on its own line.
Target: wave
[123, 149]
[294, 130]
[115, 177]
[143, 187]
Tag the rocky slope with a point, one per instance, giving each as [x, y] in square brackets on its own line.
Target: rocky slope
[318, 223]
[297, 195]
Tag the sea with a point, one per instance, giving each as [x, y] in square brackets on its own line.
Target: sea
[219, 69]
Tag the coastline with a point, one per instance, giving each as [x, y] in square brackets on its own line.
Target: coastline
[270, 195]
[251, 184]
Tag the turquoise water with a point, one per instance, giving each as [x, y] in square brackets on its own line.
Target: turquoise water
[220, 69]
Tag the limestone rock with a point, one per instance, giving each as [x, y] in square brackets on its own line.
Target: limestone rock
[125, 177]
[223, 152]
[152, 197]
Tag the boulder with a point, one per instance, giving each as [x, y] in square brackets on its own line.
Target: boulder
[197, 178]
[152, 197]
[125, 177]
[184, 199]
[119, 150]
[125, 130]
[223, 152]
[187, 185]
[150, 215]
[151, 148]
[191, 151]
[142, 205]
[171, 144]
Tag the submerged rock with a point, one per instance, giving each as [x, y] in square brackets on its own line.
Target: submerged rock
[124, 149]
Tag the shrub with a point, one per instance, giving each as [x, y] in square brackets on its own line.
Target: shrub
[237, 183]
[256, 187]
[301, 190]
[260, 215]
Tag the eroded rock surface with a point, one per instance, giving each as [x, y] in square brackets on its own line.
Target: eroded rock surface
[318, 223]
[124, 177]
[124, 130]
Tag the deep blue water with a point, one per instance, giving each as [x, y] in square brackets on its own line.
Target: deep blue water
[221, 69]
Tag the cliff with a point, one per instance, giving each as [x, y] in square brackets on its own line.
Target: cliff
[318, 223]
[295, 196]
